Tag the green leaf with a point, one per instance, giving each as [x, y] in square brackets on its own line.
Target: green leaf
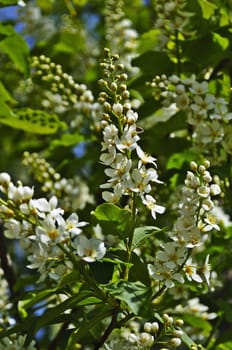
[207, 8]
[33, 298]
[32, 121]
[135, 295]
[17, 50]
[148, 40]
[197, 323]
[113, 219]
[80, 2]
[142, 233]
[67, 140]
[189, 342]
[6, 30]
[8, 2]
[4, 94]
[153, 63]
[92, 320]
[225, 346]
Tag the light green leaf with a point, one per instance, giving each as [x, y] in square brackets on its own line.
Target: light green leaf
[113, 219]
[189, 342]
[17, 50]
[148, 40]
[32, 121]
[67, 140]
[142, 233]
[207, 8]
[225, 346]
[8, 2]
[80, 2]
[4, 94]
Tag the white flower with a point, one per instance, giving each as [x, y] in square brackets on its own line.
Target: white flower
[73, 225]
[144, 157]
[150, 203]
[215, 189]
[20, 193]
[91, 249]
[161, 272]
[191, 271]
[5, 179]
[16, 342]
[172, 255]
[12, 229]
[205, 270]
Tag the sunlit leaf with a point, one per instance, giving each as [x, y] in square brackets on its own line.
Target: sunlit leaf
[32, 121]
[113, 219]
[208, 8]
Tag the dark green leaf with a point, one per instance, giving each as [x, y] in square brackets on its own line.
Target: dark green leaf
[135, 295]
[153, 63]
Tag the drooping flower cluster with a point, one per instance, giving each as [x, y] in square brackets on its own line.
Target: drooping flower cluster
[172, 19]
[72, 193]
[120, 35]
[43, 231]
[174, 261]
[120, 142]
[206, 113]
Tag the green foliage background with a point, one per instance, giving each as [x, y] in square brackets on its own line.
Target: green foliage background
[27, 124]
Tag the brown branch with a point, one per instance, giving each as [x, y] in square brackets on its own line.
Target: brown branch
[113, 324]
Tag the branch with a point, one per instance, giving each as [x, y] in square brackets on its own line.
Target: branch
[113, 324]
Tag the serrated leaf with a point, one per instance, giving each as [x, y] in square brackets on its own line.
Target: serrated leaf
[141, 233]
[32, 121]
[135, 295]
[113, 219]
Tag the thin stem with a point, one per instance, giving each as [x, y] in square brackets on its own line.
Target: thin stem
[178, 53]
[130, 238]
[70, 7]
[113, 324]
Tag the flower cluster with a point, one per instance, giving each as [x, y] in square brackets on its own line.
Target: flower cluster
[120, 36]
[206, 113]
[72, 193]
[17, 343]
[120, 140]
[172, 18]
[43, 231]
[166, 332]
[37, 26]
[4, 300]
[174, 261]
[64, 92]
